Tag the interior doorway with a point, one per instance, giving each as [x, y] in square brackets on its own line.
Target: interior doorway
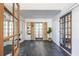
[38, 31]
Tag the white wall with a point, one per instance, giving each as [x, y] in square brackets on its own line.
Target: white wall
[55, 26]
[22, 30]
[54, 22]
[49, 21]
[75, 31]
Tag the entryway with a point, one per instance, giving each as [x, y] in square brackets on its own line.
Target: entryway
[37, 30]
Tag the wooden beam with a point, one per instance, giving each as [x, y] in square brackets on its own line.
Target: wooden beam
[12, 36]
[32, 31]
[10, 12]
[1, 29]
[45, 31]
[16, 49]
[13, 33]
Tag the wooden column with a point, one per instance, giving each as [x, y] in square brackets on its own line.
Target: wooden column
[32, 31]
[45, 31]
[17, 46]
[1, 29]
[18, 25]
[13, 33]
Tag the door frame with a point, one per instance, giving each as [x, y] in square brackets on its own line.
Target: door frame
[45, 26]
[69, 50]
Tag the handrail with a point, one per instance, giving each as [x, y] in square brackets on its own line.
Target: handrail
[7, 38]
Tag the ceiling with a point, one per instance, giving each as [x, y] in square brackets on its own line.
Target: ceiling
[39, 13]
[42, 10]
[44, 6]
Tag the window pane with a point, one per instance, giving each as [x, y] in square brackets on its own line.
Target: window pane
[10, 27]
[9, 6]
[5, 28]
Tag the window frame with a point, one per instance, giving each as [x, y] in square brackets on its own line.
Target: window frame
[66, 34]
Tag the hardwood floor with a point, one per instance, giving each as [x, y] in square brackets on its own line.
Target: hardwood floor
[40, 48]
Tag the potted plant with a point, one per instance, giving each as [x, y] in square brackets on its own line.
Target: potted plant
[49, 32]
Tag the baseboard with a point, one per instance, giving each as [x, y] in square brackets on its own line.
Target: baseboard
[63, 48]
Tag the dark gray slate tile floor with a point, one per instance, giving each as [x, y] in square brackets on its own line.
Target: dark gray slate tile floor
[40, 48]
[7, 49]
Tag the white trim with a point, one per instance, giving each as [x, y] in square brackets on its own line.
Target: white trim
[62, 48]
[65, 50]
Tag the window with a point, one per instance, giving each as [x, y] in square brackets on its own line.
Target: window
[11, 27]
[65, 31]
[5, 28]
[8, 31]
[8, 24]
[38, 30]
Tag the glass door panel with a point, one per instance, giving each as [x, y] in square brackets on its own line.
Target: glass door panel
[38, 30]
[65, 32]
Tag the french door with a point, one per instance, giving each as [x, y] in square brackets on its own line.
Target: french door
[66, 31]
[39, 30]
[9, 29]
